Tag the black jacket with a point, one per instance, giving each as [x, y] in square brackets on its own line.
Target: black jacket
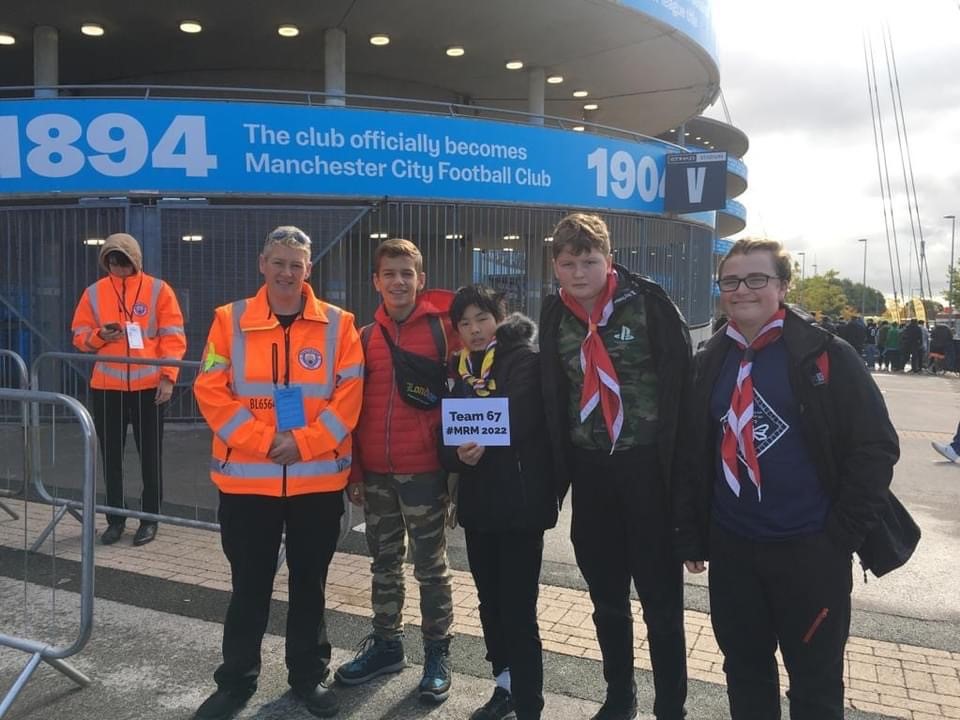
[844, 423]
[670, 344]
[511, 488]
[911, 338]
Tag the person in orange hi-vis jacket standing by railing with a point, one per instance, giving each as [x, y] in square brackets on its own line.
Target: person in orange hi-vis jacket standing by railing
[281, 387]
[130, 313]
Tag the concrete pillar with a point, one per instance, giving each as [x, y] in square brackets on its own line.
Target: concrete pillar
[535, 94]
[335, 65]
[46, 61]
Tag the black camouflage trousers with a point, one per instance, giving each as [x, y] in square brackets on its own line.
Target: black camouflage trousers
[398, 506]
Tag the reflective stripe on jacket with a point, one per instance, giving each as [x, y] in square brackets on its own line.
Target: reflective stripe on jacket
[320, 353]
[142, 299]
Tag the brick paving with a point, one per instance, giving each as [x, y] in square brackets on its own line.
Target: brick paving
[890, 679]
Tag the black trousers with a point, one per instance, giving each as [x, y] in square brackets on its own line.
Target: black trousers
[113, 412]
[916, 359]
[250, 531]
[795, 594]
[506, 570]
[621, 531]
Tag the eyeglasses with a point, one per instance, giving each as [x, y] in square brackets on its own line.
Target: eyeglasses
[296, 234]
[756, 281]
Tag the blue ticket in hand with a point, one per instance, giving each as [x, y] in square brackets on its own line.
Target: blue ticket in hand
[288, 406]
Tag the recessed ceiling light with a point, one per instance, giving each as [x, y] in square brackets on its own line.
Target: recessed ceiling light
[92, 29]
[476, 249]
[686, 134]
[288, 31]
[514, 65]
[7, 39]
[380, 39]
[453, 236]
[192, 238]
[697, 137]
[191, 26]
[591, 106]
[94, 241]
[508, 249]
[455, 51]
[580, 93]
[555, 79]
[379, 236]
[578, 128]
[511, 237]
[549, 238]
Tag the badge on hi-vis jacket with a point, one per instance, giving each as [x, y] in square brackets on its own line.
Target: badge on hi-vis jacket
[288, 406]
[134, 336]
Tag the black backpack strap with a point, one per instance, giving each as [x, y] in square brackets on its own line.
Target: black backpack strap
[364, 344]
[439, 333]
[437, 330]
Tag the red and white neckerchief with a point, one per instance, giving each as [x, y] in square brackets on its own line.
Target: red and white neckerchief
[738, 433]
[600, 382]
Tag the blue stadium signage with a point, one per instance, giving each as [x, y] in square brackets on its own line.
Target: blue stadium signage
[96, 146]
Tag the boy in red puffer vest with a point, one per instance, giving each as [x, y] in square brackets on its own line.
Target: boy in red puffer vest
[397, 476]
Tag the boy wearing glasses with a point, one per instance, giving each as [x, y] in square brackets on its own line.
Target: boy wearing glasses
[791, 457]
[130, 313]
[615, 356]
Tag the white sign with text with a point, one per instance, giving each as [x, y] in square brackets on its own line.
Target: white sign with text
[485, 421]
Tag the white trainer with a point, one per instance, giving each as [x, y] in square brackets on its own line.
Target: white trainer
[946, 450]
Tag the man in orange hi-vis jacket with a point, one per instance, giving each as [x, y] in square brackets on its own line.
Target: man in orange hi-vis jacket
[281, 387]
[137, 315]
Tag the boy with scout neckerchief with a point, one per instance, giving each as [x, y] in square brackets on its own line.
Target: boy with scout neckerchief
[615, 355]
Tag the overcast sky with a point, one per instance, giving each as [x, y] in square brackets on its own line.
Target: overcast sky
[794, 80]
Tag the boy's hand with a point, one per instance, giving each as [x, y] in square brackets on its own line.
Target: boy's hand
[470, 453]
[355, 493]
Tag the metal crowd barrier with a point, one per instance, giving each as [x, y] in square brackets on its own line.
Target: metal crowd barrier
[71, 506]
[66, 506]
[24, 383]
[54, 655]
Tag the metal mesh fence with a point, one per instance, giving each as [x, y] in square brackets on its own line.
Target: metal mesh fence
[208, 254]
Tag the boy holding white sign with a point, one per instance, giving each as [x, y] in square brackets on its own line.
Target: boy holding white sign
[615, 358]
[506, 493]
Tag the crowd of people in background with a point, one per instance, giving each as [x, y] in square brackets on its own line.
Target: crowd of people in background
[896, 346]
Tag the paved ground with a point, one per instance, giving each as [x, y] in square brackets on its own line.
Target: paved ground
[156, 637]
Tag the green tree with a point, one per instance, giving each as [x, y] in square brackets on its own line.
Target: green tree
[870, 303]
[821, 293]
[953, 300]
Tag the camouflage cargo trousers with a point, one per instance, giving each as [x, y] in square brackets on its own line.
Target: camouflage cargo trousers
[397, 506]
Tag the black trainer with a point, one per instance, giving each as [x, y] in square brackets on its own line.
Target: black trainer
[617, 711]
[435, 683]
[376, 656]
[319, 700]
[146, 533]
[498, 707]
[111, 534]
[223, 704]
